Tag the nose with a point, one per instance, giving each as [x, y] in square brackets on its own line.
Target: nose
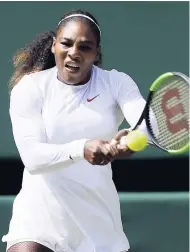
[74, 52]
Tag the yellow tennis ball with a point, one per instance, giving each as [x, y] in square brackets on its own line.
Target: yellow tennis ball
[136, 140]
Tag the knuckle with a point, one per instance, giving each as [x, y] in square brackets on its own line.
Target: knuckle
[95, 150]
[106, 153]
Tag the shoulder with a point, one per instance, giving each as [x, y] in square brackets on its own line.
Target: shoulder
[33, 83]
[43, 78]
[114, 78]
[112, 74]
[42, 75]
[24, 86]
[24, 95]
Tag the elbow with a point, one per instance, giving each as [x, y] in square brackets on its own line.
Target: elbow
[34, 168]
[37, 162]
[39, 169]
[33, 163]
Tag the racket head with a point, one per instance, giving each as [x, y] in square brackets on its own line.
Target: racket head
[168, 103]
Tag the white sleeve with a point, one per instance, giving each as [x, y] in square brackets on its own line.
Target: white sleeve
[129, 99]
[29, 132]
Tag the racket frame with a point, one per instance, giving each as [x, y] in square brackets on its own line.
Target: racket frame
[146, 115]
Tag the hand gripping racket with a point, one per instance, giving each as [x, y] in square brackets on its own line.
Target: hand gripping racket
[168, 105]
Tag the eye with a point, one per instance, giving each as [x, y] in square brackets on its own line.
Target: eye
[85, 48]
[66, 44]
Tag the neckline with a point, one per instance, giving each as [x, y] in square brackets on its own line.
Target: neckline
[74, 87]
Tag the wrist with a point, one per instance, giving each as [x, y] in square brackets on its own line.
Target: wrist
[77, 150]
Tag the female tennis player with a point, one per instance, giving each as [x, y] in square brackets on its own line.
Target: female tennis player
[65, 110]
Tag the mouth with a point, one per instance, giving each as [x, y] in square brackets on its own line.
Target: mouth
[72, 67]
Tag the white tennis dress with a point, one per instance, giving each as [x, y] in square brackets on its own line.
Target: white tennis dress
[69, 205]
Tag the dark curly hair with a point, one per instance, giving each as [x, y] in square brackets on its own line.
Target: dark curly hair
[37, 56]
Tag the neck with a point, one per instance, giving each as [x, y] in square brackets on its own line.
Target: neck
[80, 83]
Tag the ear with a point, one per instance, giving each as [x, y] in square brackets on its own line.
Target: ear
[98, 54]
[53, 45]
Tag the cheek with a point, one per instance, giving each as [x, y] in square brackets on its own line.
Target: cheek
[90, 58]
[60, 54]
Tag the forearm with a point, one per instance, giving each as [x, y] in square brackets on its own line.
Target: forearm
[40, 158]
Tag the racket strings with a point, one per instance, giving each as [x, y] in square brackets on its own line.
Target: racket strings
[170, 106]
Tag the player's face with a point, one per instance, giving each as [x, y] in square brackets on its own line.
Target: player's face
[75, 49]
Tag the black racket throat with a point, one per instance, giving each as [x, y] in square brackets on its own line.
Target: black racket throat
[146, 116]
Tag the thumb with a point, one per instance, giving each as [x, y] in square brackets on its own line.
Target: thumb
[121, 133]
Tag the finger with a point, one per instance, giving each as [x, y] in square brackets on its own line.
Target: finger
[124, 150]
[122, 147]
[113, 142]
[107, 151]
[113, 149]
[121, 133]
[101, 159]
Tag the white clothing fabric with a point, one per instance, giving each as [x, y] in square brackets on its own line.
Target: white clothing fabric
[65, 201]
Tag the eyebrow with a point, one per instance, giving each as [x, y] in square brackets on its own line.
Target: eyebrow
[82, 41]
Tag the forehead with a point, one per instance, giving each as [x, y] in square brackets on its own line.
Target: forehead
[77, 29]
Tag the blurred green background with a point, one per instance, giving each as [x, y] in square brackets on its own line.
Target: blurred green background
[143, 39]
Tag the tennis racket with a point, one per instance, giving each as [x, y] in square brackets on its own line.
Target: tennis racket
[168, 105]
